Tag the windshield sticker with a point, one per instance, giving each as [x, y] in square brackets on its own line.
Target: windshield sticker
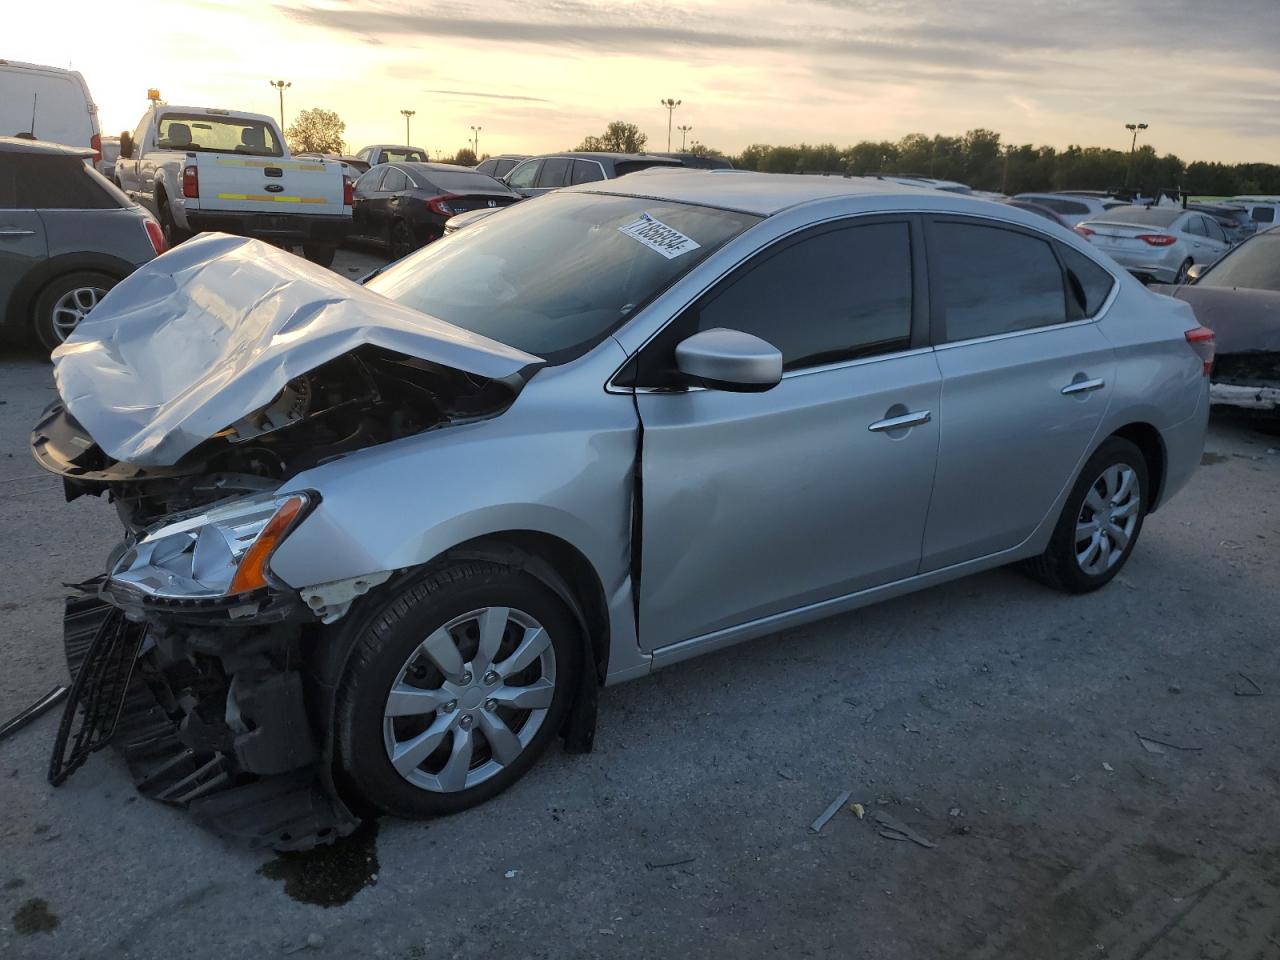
[656, 235]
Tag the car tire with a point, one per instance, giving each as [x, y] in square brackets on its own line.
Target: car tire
[1181, 276]
[401, 240]
[173, 234]
[396, 666]
[1114, 480]
[321, 254]
[63, 303]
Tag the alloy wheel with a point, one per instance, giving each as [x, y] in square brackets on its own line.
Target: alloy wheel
[469, 699]
[1107, 519]
[72, 307]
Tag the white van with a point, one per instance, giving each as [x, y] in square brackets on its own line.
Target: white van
[1264, 211]
[49, 104]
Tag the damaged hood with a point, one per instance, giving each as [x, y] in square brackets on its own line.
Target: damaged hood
[1242, 320]
[213, 331]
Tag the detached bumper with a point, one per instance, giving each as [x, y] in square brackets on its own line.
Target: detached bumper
[295, 227]
[1250, 397]
[214, 720]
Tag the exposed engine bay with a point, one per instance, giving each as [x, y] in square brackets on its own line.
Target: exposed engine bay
[367, 397]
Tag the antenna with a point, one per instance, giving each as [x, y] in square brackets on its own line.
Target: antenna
[34, 99]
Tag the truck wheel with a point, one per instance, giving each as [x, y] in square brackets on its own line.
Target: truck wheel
[173, 234]
[65, 301]
[320, 253]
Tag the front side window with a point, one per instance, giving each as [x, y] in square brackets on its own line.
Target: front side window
[524, 175]
[824, 298]
[553, 278]
[991, 280]
[207, 133]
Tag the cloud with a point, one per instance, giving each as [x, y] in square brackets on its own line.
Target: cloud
[487, 96]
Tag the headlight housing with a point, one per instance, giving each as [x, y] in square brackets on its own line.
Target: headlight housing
[220, 552]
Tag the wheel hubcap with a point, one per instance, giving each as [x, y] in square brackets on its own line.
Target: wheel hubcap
[469, 699]
[1107, 519]
[72, 307]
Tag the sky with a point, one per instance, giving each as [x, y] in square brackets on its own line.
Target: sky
[539, 76]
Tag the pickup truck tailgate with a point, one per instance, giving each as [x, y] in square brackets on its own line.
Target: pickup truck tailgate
[276, 186]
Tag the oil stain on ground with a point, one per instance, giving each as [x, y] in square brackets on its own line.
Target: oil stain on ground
[1208, 459]
[329, 876]
[34, 917]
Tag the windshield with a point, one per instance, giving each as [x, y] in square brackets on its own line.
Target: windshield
[213, 134]
[403, 155]
[1254, 265]
[556, 275]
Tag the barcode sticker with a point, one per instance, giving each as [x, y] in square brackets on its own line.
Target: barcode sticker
[656, 235]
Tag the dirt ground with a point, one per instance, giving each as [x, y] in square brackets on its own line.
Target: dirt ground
[998, 722]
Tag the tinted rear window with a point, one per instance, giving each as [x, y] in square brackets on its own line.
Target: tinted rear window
[53, 183]
[631, 166]
[461, 181]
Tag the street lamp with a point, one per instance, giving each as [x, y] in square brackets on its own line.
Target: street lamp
[1134, 128]
[475, 141]
[407, 114]
[671, 105]
[281, 85]
[684, 129]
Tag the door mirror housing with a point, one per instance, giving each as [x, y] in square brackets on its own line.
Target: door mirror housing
[722, 359]
[1195, 272]
[126, 145]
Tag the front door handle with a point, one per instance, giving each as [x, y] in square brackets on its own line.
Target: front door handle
[16, 232]
[901, 423]
[1082, 386]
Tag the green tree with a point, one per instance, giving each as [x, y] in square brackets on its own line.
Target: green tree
[618, 137]
[316, 131]
[466, 157]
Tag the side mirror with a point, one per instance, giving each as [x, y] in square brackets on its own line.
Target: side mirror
[731, 360]
[1195, 272]
[126, 145]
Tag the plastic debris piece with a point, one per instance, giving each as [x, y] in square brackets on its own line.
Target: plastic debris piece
[1108, 767]
[894, 825]
[658, 864]
[859, 810]
[1152, 745]
[511, 874]
[830, 812]
[1249, 688]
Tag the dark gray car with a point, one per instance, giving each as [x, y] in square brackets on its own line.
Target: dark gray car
[67, 236]
[538, 175]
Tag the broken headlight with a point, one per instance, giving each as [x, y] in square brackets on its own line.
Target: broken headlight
[219, 552]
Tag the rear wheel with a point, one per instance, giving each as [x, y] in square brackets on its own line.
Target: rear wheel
[64, 302]
[173, 234]
[320, 253]
[1100, 521]
[402, 243]
[455, 689]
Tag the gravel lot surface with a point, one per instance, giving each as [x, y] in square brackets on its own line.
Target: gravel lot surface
[992, 718]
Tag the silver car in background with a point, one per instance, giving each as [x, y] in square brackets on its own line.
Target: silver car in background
[1157, 244]
[388, 542]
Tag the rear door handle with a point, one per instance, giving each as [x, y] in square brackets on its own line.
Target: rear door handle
[901, 423]
[1083, 386]
[16, 232]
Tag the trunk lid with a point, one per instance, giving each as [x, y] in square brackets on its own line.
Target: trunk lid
[274, 185]
[213, 331]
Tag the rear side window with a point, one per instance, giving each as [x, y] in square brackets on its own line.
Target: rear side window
[555, 172]
[489, 168]
[503, 167]
[828, 297]
[587, 171]
[1194, 226]
[1264, 215]
[394, 181]
[1214, 230]
[990, 280]
[55, 183]
[1087, 283]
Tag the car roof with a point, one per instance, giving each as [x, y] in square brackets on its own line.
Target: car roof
[392, 146]
[41, 148]
[765, 194]
[614, 157]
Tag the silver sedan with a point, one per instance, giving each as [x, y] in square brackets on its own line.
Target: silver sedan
[1157, 244]
[385, 543]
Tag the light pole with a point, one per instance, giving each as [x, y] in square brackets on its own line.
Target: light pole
[671, 105]
[684, 130]
[407, 114]
[281, 85]
[1134, 127]
[475, 141]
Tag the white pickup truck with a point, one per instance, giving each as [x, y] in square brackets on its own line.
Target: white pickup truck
[201, 169]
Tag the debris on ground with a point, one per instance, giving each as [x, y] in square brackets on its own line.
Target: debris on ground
[33, 917]
[955, 812]
[313, 941]
[858, 810]
[511, 874]
[45, 703]
[1108, 767]
[830, 812]
[658, 864]
[892, 828]
[1152, 745]
[1249, 688]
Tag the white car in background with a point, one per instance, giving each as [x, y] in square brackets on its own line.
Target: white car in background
[1264, 211]
[1157, 244]
[1072, 208]
[50, 104]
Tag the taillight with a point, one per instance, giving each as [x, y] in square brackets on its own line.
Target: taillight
[1202, 341]
[156, 235]
[190, 181]
[441, 206]
[95, 144]
[1157, 239]
[1083, 230]
[348, 191]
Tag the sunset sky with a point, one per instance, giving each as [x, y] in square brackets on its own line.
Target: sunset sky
[539, 76]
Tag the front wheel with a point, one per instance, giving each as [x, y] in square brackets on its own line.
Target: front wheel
[456, 687]
[64, 302]
[1100, 521]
